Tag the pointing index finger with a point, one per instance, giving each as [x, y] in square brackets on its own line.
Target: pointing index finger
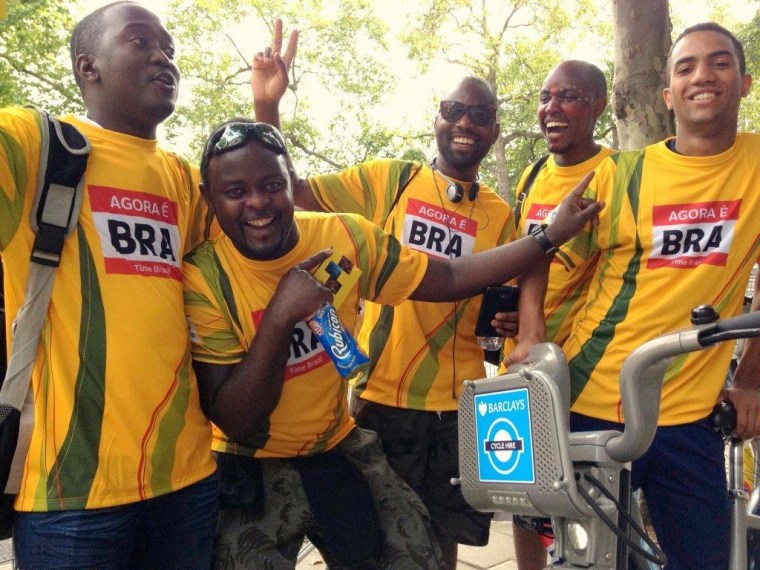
[582, 185]
[313, 262]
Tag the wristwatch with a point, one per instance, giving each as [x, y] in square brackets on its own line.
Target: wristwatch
[539, 232]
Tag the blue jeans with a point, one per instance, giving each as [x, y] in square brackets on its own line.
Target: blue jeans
[175, 530]
[683, 477]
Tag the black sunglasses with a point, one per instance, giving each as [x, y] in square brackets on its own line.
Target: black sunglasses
[481, 115]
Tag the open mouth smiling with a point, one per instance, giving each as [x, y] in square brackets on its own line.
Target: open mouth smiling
[258, 223]
[463, 140]
[555, 126]
[704, 96]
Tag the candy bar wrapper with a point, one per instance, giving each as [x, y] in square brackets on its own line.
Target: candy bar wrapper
[336, 340]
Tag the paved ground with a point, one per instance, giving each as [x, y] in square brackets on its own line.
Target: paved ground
[6, 555]
[499, 554]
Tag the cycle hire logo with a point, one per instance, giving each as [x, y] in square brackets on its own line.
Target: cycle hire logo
[502, 428]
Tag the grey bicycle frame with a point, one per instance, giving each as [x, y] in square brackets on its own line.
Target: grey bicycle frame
[742, 518]
[555, 490]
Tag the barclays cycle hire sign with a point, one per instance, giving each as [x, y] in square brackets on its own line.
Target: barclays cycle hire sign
[505, 442]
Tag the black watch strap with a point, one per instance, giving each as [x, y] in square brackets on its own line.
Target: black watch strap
[539, 232]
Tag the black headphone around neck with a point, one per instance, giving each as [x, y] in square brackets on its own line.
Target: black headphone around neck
[454, 191]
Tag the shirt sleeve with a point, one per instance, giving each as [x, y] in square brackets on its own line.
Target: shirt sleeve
[394, 271]
[214, 337]
[19, 164]
[368, 190]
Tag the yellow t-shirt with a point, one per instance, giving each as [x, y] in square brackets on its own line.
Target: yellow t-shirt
[226, 294]
[677, 232]
[117, 414]
[420, 352]
[567, 287]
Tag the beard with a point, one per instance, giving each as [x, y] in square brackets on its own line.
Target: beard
[462, 160]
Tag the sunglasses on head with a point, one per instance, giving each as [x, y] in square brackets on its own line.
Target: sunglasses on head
[481, 115]
[236, 134]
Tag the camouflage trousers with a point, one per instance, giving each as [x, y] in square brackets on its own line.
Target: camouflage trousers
[423, 448]
[271, 538]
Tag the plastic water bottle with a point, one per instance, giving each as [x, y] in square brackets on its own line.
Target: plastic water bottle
[750, 291]
[490, 342]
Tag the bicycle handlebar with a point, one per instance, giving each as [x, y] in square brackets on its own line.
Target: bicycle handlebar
[643, 371]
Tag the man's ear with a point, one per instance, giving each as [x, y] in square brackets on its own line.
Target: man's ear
[599, 106]
[668, 99]
[85, 68]
[746, 84]
[206, 196]
[496, 131]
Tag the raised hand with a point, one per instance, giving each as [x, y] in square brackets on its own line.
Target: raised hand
[269, 69]
[299, 294]
[573, 213]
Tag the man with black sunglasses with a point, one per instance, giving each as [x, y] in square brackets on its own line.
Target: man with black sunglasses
[291, 460]
[421, 353]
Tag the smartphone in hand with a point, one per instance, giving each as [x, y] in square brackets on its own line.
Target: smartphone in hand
[496, 299]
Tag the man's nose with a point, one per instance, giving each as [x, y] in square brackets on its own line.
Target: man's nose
[703, 71]
[553, 103]
[256, 199]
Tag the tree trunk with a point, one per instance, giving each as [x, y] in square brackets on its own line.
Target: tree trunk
[503, 182]
[642, 41]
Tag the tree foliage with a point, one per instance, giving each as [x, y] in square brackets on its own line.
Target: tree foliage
[512, 44]
[34, 61]
[340, 60]
[348, 68]
[749, 34]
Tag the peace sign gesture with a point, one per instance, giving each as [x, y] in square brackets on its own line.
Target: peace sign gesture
[269, 69]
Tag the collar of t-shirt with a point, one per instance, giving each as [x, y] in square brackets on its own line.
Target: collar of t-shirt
[88, 120]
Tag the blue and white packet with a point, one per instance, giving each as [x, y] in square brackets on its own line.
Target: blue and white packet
[336, 340]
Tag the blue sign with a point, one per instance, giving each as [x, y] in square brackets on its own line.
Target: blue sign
[505, 442]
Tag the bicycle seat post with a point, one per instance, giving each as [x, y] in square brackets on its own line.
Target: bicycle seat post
[723, 420]
[738, 497]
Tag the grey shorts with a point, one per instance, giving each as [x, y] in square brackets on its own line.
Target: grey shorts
[423, 448]
[268, 533]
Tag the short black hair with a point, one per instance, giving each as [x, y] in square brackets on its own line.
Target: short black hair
[217, 134]
[483, 86]
[593, 75]
[87, 33]
[711, 27]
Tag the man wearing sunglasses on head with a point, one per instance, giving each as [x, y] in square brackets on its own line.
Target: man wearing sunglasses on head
[291, 460]
[421, 353]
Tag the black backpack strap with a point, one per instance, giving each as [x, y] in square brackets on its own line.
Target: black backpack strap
[63, 159]
[526, 187]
